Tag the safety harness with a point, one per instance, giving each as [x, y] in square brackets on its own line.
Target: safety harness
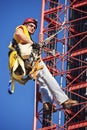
[16, 62]
[21, 68]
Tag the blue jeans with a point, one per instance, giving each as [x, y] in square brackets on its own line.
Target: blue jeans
[49, 87]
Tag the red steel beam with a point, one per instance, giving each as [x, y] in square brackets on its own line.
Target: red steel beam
[80, 3]
[53, 70]
[51, 57]
[78, 86]
[70, 112]
[79, 52]
[53, 127]
[78, 125]
[52, 10]
[50, 20]
[73, 36]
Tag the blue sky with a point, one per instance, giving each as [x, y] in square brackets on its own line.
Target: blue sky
[16, 111]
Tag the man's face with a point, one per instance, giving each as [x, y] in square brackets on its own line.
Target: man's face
[31, 28]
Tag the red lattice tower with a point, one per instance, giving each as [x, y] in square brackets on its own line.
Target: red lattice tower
[66, 57]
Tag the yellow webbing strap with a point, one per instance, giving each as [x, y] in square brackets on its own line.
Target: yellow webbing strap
[12, 59]
[35, 68]
[12, 86]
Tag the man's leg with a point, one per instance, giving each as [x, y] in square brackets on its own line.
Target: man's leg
[47, 100]
[54, 87]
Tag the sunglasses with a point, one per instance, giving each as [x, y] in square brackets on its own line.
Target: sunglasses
[32, 26]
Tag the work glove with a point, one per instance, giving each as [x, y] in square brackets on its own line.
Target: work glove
[36, 46]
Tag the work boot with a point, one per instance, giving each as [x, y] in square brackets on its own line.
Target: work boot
[69, 103]
[46, 106]
[49, 107]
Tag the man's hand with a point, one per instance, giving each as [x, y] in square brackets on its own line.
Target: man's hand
[36, 46]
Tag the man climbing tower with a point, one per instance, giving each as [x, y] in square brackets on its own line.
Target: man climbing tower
[27, 61]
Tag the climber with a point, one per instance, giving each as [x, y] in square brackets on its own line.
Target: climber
[28, 62]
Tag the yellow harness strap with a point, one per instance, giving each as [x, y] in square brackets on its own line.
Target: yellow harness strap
[12, 59]
[32, 72]
[35, 68]
[13, 86]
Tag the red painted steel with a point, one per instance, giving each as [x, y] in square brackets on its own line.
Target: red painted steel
[65, 54]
